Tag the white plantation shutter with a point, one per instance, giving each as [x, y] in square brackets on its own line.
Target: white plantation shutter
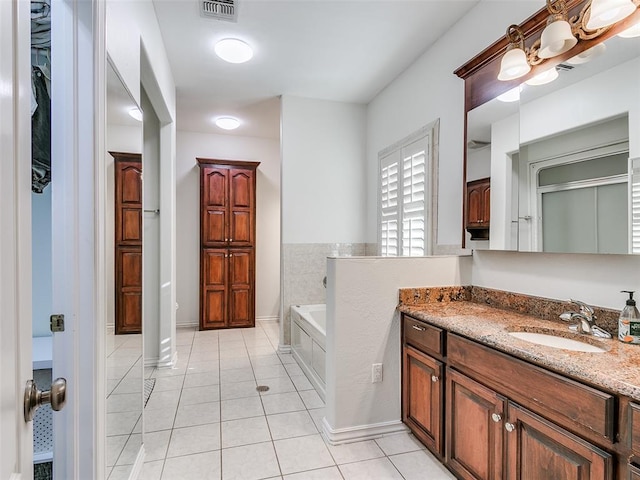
[403, 190]
[389, 208]
[634, 194]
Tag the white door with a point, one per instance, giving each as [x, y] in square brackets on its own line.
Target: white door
[77, 244]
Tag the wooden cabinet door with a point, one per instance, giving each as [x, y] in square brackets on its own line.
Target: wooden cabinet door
[422, 395]
[215, 207]
[538, 449]
[475, 429]
[128, 242]
[486, 204]
[474, 206]
[241, 206]
[241, 294]
[213, 303]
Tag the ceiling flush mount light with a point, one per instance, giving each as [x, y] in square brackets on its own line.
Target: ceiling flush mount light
[588, 55]
[514, 63]
[543, 78]
[135, 113]
[227, 123]
[512, 95]
[608, 12]
[631, 32]
[557, 37]
[233, 50]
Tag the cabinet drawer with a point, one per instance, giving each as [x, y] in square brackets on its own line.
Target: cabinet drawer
[634, 427]
[423, 336]
[560, 399]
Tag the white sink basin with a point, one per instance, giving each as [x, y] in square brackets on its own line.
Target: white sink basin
[557, 342]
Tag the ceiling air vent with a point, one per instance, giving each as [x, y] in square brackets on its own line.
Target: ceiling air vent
[226, 10]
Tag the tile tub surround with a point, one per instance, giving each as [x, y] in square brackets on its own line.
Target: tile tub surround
[616, 370]
[304, 267]
[543, 308]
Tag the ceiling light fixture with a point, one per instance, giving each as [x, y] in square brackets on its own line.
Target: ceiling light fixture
[543, 78]
[233, 50]
[588, 55]
[514, 62]
[227, 123]
[136, 113]
[631, 32]
[512, 95]
[557, 36]
[607, 12]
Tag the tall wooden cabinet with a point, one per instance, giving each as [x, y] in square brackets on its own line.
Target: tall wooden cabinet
[227, 243]
[478, 208]
[128, 242]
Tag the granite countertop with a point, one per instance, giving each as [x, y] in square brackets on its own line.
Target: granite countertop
[616, 370]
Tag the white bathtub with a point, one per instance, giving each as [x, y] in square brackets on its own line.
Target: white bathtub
[308, 336]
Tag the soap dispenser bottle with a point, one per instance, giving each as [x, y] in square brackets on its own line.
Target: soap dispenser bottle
[629, 323]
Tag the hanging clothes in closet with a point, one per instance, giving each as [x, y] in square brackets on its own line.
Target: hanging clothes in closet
[40, 95]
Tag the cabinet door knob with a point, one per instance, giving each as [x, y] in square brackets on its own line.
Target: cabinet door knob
[510, 427]
[434, 378]
[496, 417]
[231, 239]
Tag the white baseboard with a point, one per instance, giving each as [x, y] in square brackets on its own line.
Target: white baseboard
[284, 349]
[187, 324]
[151, 362]
[275, 318]
[168, 363]
[138, 464]
[361, 432]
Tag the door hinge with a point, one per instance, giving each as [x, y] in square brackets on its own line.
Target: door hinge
[56, 323]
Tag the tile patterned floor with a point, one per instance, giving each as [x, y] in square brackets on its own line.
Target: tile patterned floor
[205, 420]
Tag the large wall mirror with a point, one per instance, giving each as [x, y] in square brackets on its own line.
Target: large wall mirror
[561, 160]
[124, 257]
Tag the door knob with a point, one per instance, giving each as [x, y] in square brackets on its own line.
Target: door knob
[34, 398]
[496, 417]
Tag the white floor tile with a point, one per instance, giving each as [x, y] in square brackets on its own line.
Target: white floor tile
[301, 382]
[236, 375]
[294, 369]
[317, 414]
[204, 394]
[126, 402]
[278, 385]
[121, 423]
[419, 465]
[201, 379]
[282, 403]
[260, 351]
[120, 472]
[155, 445]
[399, 443]
[311, 399]
[245, 431]
[205, 366]
[190, 440]
[269, 371]
[329, 473]
[151, 470]
[355, 452]
[115, 444]
[168, 383]
[131, 450]
[286, 358]
[263, 463]
[200, 466]
[287, 425]
[241, 408]
[229, 391]
[303, 453]
[163, 400]
[266, 360]
[232, 363]
[380, 469]
[198, 414]
[156, 420]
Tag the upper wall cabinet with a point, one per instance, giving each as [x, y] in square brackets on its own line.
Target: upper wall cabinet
[561, 142]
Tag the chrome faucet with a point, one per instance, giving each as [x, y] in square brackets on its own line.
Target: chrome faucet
[586, 318]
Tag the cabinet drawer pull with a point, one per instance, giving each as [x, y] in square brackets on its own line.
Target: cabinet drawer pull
[434, 378]
[510, 427]
[496, 417]
[418, 327]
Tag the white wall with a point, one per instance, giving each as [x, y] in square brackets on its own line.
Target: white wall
[363, 327]
[323, 171]
[267, 151]
[42, 262]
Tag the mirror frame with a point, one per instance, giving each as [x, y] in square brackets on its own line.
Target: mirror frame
[480, 74]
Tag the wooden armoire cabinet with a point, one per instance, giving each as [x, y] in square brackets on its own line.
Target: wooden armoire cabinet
[227, 243]
[128, 242]
[478, 208]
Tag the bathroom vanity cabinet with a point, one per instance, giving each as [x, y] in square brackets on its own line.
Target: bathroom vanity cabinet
[227, 243]
[504, 417]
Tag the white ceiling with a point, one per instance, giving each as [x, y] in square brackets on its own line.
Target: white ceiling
[345, 51]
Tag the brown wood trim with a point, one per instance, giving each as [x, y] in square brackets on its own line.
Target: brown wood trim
[222, 163]
[126, 157]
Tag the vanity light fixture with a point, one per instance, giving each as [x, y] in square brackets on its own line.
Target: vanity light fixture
[227, 123]
[588, 55]
[608, 12]
[135, 113]
[632, 32]
[543, 78]
[512, 95]
[233, 50]
[557, 36]
[514, 63]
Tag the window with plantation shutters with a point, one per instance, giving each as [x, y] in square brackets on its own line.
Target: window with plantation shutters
[403, 194]
[634, 194]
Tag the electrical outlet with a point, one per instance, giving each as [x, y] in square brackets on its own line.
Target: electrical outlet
[376, 372]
